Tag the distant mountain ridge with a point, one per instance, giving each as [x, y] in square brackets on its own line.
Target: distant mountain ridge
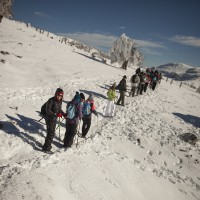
[179, 71]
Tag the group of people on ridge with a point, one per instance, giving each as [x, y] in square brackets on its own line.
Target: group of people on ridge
[80, 108]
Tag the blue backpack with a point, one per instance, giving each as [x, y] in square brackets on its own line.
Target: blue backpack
[86, 110]
[154, 78]
[71, 110]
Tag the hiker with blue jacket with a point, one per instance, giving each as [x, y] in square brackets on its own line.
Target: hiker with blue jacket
[122, 90]
[87, 110]
[53, 110]
[73, 116]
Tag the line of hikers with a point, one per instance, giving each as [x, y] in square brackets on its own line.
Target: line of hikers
[80, 108]
[139, 84]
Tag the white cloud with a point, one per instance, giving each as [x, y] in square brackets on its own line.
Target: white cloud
[105, 41]
[122, 27]
[44, 15]
[149, 44]
[186, 40]
[92, 39]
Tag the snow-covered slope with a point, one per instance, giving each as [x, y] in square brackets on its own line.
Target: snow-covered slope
[137, 154]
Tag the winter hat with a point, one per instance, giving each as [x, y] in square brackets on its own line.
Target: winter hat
[59, 91]
[82, 95]
[91, 96]
[77, 96]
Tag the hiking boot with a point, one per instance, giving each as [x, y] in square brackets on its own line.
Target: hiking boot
[47, 151]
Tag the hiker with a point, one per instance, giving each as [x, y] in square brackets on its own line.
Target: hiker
[73, 115]
[87, 110]
[154, 80]
[53, 111]
[135, 80]
[122, 90]
[141, 83]
[147, 81]
[110, 108]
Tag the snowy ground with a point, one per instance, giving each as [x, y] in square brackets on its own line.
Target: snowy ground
[111, 165]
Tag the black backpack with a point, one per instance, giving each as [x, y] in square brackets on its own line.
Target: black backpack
[133, 78]
[43, 111]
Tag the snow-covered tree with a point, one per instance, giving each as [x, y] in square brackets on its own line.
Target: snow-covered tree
[5, 8]
[124, 49]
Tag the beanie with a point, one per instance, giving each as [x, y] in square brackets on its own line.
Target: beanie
[77, 96]
[59, 91]
[91, 96]
[82, 96]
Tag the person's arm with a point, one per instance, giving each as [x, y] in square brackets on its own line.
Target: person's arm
[48, 108]
[93, 109]
[79, 113]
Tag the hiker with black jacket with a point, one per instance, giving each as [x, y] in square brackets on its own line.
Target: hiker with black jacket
[53, 111]
[122, 90]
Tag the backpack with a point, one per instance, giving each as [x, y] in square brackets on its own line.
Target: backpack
[133, 79]
[154, 78]
[43, 111]
[86, 110]
[137, 71]
[71, 110]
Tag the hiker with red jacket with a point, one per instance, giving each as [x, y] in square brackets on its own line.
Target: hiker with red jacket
[53, 111]
[87, 110]
[73, 116]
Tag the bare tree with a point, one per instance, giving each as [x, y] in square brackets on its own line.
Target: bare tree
[6, 8]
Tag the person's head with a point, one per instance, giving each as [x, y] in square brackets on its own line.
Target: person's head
[82, 97]
[124, 77]
[59, 94]
[77, 96]
[91, 97]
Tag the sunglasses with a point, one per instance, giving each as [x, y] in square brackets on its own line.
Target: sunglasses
[60, 95]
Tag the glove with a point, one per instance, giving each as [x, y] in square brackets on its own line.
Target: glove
[59, 115]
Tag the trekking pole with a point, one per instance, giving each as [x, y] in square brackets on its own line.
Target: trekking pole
[59, 129]
[77, 133]
[60, 123]
[40, 119]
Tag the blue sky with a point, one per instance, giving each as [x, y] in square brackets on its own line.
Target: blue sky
[166, 30]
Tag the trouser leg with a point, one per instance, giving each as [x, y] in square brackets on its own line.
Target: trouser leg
[87, 126]
[51, 125]
[70, 133]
